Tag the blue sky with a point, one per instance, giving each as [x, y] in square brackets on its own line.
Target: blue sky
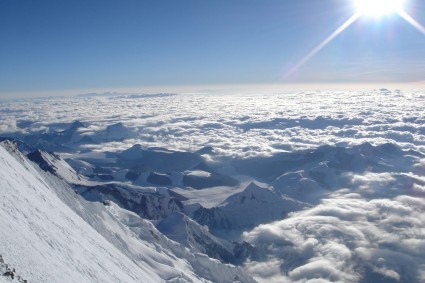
[82, 45]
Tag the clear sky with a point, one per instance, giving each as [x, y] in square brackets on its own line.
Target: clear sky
[54, 45]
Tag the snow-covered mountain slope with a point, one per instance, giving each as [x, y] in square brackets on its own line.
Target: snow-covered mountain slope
[47, 161]
[253, 206]
[310, 175]
[214, 270]
[151, 167]
[53, 163]
[50, 233]
[81, 167]
[9, 273]
[149, 203]
[184, 230]
[359, 158]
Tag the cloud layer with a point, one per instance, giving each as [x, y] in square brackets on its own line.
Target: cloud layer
[369, 228]
[347, 239]
[235, 125]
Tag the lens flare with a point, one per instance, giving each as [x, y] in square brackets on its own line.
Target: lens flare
[325, 42]
[412, 21]
[379, 8]
[370, 8]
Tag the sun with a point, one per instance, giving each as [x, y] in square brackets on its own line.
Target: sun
[378, 8]
[364, 8]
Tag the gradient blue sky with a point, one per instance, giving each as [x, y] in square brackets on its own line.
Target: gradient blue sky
[55, 45]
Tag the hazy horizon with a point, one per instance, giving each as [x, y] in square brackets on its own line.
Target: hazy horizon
[218, 89]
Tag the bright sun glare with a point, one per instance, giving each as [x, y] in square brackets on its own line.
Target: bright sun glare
[369, 8]
[379, 8]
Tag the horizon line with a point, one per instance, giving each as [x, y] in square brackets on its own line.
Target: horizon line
[204, 88]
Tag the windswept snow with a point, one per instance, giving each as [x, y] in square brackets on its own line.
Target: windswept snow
[47, 241]
[49, 233]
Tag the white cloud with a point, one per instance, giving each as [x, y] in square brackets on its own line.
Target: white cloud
[238, 125]
[370, 229]
[350, 240]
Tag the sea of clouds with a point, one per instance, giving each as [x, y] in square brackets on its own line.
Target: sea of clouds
[346, 238]
[235, 125]
[370, 231]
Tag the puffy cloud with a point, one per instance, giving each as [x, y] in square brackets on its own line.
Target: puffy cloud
[349, 240]
[8, 126]
[243, 125]
[369, 230]
[268, 270]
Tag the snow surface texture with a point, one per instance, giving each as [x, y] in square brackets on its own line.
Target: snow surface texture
[349, 166]
[49, 233]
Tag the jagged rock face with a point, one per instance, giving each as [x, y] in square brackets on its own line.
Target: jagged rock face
[149, 205]
[213, 217]
[38, 158]
[18, 144]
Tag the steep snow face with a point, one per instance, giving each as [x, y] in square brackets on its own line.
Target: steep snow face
[49, 233]
[47, 161]
[46, 240]
[184, 230]
[81, 167]
[54, 164]
[212, 270]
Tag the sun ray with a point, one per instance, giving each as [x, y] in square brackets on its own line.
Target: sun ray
[412, 21]
[396, 6]
[325, 42]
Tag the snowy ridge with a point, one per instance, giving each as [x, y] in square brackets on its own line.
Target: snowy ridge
[213, 270]
[251, 207]
[184, 230]
[151, 167]
[149, 203]
[47, 161]
[54, 164]
[48, 233]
